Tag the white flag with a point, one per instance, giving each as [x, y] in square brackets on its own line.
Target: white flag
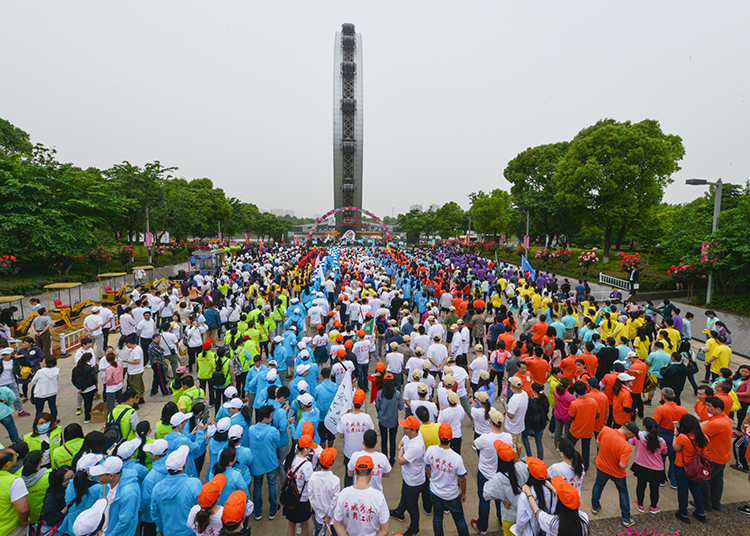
[341, 403]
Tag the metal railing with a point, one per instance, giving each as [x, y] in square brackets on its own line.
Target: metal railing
[72, 339]
[610, 281]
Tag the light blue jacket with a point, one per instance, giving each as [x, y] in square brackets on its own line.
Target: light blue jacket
[171, 501]
[93, 494]
[131, 465]
[324, 394]
[7, 396]
[157, 473]
[234, 482]
[314, 417]
[196, 443]
[260, 387]
[123, 512]
[251, 374]
[263, 440]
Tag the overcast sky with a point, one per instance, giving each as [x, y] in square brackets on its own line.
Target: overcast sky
[241, 92]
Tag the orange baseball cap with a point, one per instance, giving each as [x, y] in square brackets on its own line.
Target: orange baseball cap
[566, 493]
[380, 367]
[327, 457]
[445, 431]
[234, 508]
[537, 468]
[331, 313]
[339, 337]
[211, 491]
[341, 352]
[388, 376]
[337, 324]
[410, 422]
[505, 451]
[348, 343]
[320, 326]
[364, 463]
[306, 442]
[360, 333]
[308, 428]
[359, 397]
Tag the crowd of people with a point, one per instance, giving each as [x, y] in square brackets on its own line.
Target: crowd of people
[278, 364]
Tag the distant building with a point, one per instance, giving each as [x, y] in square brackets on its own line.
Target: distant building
[434, 207]
[277, 212]
[416, 207]
[289, 213]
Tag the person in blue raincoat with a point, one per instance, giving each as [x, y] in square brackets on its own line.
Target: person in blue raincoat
[125, 452]
[324, 394]
[303, 358]
[308, 413]
[257, 368]
[196, 442]
[217, 443]
[263, 440]
[280, 421]
[82, 492]
[174, 497]
[227, 465]
[298, 386]
[263, 382]
[244, 454]
[123, 492]
[158, 452]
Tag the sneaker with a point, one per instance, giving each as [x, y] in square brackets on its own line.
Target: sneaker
[654, 510]
[702, 518]
[638, 506]
[627, 523]
[258, 517]
[24, 413]
[411, 532]
[97, 395]
[392, 461]
[595, 511]
[273, 516]
[79, 411]
[396, 515]
[475, 526]
[25, 400]
[662, 484]
[426, 512]
[551, 434]
[86, 421]
[685, 520]
[737, 467]
[299, 529]
[168, 393]
[744, 509]
[673, 486]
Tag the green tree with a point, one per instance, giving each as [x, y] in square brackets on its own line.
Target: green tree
[613, 172]
[414, 223]
[13, 140]
[450, 219]
[532, 174]
[491, 213]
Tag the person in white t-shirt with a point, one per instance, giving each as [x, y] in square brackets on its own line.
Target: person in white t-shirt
[361, 349]
[410, 391]
[422, 391]
[479, 364]
[411, 459]
[352, 428]
[135, 368]
[381, 468]
[453, 414]
[515, 415]
[208, 523]
[487, 467]
[361, 510]
[437, 354]
[92, 325]
[447, 474]
[395, 365]
[324, 488]
[106, 314]
[17, 502]
[463, 388]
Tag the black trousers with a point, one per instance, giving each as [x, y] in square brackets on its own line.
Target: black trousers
[160, 379]
[410, 502]
[388, 437]
[714, 488]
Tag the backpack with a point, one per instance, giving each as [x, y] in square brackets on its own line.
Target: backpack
[217, 378]
[194, 401]
[650, 383]
[113, 430]
[699, 468]
[290, 495]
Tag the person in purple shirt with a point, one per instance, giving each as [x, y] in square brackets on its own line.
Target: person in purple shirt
[677, 319]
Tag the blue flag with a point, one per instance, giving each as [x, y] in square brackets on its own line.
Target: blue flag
[526, 267]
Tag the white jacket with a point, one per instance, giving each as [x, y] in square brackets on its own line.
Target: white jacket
[323, 490]
[498, 487]
[193, 334]
[46, 381]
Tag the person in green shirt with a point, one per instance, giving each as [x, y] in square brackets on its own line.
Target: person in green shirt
[128, 422]
[72, 443]
[163, 427]
[36, 479]
[205, 363]
[14, 502]
[189, 395]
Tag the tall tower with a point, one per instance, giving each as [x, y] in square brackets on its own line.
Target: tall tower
[347, 126]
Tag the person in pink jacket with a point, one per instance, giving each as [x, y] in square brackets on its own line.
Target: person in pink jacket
[648, 466]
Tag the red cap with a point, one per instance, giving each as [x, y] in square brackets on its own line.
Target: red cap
[537, 468]
[505, 451]
[327, 457]
[566, 493]
[348, 343]
[208, 343]
[308, 428]
[380, 367]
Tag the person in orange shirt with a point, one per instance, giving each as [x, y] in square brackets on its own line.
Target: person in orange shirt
[611, 462]
[539, 330]
[585, 413]
[592, 362]
[608, 383]
[721, 390]
[526, 380]
[568, 364]
[622, 408]
[538, 367]
[638, 369]
[688, 437]
[508, 338]
[704, 391]
[666, 414]
[582, 374]
[602, 404]
[718, 432]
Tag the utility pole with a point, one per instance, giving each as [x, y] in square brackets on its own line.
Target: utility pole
[148, 247]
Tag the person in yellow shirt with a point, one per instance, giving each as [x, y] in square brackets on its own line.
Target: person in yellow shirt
[708, 352]
[642, 344]
[674, 335]
[720, 357]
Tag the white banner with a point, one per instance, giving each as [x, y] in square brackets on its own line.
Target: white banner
[341, 403]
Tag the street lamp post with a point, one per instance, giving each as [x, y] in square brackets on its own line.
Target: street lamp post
[714, 226]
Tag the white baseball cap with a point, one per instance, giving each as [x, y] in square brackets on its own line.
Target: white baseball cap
[230, 392]
[128, 448]
[278, 339]
[305, 399]
[110, 466]
[302, 386]
[88, 460]
[90, 520]
[304, 354]
[176, 460]
[273, 363]
[235, 431]
[632, 354]
[301, 369]
[625, 377]
[179, 418]
[235, 403]
[96, 309]
[224, 424]
[301, 345]
[157, 448]
[271, 375]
